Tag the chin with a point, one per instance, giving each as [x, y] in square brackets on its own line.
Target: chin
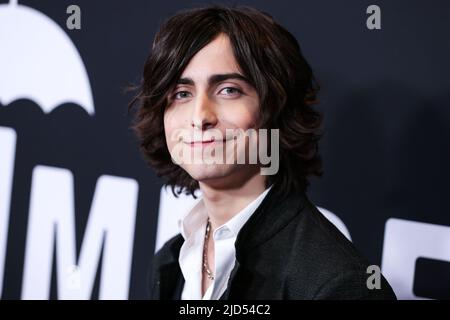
[207, 172]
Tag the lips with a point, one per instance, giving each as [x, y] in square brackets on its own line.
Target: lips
[201, 141]
[204, 142]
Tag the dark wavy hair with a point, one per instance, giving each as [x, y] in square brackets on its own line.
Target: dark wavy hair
[268, 55]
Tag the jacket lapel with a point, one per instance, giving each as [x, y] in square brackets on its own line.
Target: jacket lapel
[274, 213]
[168, 281]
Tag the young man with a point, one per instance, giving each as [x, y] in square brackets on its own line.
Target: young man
[214, 76]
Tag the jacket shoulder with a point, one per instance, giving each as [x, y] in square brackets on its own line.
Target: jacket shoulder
[353, 285]
[332, 265]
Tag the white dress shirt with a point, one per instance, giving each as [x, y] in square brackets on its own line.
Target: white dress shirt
[193, 227]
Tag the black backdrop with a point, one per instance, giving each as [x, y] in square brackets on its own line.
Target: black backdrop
[384, 95]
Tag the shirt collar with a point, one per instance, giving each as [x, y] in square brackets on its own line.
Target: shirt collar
[196, 218]
[193, 219]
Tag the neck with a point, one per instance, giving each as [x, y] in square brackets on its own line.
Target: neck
[224, 202]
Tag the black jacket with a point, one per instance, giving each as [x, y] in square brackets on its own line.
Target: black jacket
[286, 250]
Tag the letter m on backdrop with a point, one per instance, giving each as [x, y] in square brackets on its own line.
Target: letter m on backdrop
[51, 226]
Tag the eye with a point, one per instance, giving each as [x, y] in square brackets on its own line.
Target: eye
[181, 95]
[231, 91]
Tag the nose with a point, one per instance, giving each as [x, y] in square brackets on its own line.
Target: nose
[204, 115]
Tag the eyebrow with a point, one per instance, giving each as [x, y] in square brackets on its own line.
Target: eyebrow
[216, 78]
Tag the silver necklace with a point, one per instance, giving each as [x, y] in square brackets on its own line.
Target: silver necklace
[205, 252]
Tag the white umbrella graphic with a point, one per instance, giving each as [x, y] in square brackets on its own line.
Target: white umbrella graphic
[39, 62]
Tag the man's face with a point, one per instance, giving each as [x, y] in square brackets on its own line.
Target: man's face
[210, 102]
